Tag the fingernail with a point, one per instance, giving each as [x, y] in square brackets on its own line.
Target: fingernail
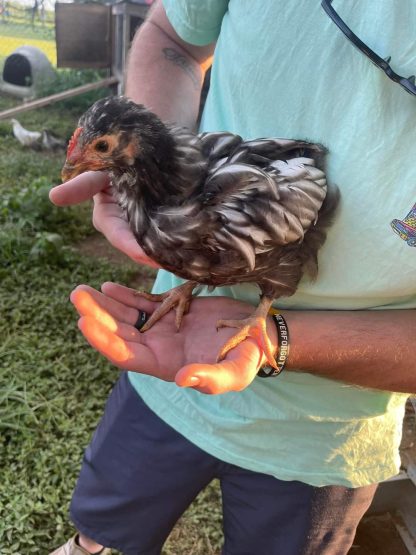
[193, 381]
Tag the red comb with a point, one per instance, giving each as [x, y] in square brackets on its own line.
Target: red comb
[73, 140]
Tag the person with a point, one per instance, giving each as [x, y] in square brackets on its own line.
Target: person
[299, 455]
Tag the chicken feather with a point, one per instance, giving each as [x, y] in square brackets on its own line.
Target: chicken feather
[211, 208]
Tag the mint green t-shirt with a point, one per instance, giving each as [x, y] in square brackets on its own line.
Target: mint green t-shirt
[284, 69]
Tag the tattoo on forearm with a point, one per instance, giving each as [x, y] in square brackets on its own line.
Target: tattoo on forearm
[180, 60]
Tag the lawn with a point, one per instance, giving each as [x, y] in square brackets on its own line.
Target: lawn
[53, 386]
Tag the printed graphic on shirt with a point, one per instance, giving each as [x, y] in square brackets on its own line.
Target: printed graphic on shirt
[406, 228]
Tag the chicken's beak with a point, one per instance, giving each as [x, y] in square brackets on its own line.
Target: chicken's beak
[71, 170]
[67, 172]
[75, 166]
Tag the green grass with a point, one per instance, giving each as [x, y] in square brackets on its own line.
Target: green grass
[53, 386]
[18, 20]
[26, 31]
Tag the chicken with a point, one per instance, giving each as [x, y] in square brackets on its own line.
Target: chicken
[50, 141]
[45, 139]
[211, 208]
[25, 137]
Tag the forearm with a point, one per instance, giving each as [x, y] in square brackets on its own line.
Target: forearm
[164, 73]
[375, 349]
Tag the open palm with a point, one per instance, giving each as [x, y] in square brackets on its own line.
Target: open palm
[187, 356]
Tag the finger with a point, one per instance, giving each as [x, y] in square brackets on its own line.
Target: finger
[108, 217]
[234, 373]
[106, 197]
[211, 379]
[214, 379]
[79, 189]
[121, 237]
[127, 296]
[109, 220]
[107, 311]
[127, 355]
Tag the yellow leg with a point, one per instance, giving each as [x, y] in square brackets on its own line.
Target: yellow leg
[179, 298]
[255, 327]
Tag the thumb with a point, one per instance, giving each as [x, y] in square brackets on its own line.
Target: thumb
[234, 373]
[79, 189]
[208, 378]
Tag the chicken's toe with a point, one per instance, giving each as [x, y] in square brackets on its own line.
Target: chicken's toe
[179, 298]
[254, 327]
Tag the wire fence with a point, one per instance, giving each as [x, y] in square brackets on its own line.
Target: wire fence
[31, 24]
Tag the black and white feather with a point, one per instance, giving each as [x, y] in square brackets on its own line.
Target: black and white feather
[213, 208]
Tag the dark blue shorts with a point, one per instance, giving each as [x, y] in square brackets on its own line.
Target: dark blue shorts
[139, 475]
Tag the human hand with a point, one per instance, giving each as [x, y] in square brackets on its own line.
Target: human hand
[108, 217]
[186, 356]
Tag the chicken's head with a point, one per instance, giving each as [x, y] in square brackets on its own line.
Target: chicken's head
[114, 134]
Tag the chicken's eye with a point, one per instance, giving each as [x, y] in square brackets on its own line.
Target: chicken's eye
[102, 146]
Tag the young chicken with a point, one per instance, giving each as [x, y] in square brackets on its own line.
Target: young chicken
[45, 140]
[25, 137]
[211, 208]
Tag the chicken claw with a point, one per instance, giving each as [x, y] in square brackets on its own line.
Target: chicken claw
[255, 327]
[179, 297]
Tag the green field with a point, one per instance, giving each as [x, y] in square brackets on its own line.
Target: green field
[53, 386]
[26, 31]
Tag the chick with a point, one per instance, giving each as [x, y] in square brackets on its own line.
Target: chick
[211, 208]
[25, 137]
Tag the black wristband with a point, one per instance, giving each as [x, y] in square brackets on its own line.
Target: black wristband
[283, 349]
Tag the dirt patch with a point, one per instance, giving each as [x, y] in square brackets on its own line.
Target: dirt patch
[377, 535]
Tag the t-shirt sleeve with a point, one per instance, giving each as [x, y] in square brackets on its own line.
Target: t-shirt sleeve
[197, 22]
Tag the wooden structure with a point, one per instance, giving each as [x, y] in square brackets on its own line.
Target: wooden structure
[97, 35]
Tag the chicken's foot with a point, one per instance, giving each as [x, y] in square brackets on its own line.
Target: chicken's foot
[254, 326]
[179, 298]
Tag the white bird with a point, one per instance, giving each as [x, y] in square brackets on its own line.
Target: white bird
[26, 137]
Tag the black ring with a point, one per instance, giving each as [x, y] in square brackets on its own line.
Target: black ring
[141, 320]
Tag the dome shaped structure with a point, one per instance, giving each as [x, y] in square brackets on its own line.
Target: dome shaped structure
[25, 70]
